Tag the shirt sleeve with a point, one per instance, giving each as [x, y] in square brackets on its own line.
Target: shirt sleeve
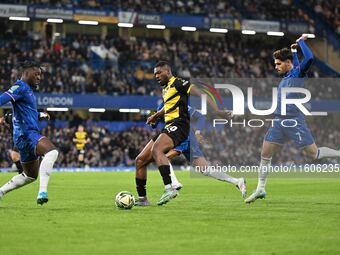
[200, 120]
[15, 92]
[183, 86]
[307, 58]
[295, 58]
[4, 98]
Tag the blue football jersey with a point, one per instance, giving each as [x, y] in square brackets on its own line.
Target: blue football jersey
[295, 79]
[25, 114]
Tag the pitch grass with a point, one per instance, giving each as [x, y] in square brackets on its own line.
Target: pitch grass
[299, 216]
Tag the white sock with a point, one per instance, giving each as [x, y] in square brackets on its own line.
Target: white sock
[15, 183]
[46, 169]
[325, 152]
[174, 180]
[263, 172]
[221, 176]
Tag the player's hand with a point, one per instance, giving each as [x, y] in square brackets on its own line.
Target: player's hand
[152, 119]
[45, 115]
[294, 46]
[3, 122]
[302, 37]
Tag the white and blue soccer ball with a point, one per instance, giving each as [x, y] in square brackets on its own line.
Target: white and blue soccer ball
[124, 200]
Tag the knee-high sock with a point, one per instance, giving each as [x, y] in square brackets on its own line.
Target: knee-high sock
[46, 167]
[174, 179]
[325, 152]
[16, 182]
[140, 186]
[165, 173]
[221, 176]
[263, 172]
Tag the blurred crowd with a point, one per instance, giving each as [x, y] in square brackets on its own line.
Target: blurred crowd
[103, 149]
[71, 64]
[265, 9]
[329, 10]
[282, 10]
[242, 145]
[236, 146]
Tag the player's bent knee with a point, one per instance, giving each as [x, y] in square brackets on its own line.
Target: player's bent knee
[311, 152]
[140, 160]
[143, 158]
[15, 157]
[33, 176]
[53, 154]
[312, 155]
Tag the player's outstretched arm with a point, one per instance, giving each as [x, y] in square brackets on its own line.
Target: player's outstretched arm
[307, 54]
[293, 48]
[5, 98]
[198, 117]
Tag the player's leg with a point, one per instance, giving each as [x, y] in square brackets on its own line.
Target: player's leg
[142, 161]
[29, 174]
[30, 164]
[268, 150]
[302, 137]
[50, 153]
[175, 183]
[15, 157]
[273, 140]
[313, 152]
[162, 145]
[201, 164]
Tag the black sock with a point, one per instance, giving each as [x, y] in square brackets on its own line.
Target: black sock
[19, 166]
[140, 185]
[165, 173]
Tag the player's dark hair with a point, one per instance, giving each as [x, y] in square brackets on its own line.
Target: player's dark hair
[162, 64]
[28, 64]
[283, 54]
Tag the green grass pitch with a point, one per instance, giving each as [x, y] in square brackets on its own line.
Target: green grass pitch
[299, 216]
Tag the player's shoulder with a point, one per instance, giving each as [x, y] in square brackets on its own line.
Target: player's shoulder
[181, 81]
[18, 86]
[297, 72]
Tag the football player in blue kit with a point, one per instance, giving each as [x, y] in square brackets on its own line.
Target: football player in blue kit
[6, 120]
[294, 72]
[26, 133]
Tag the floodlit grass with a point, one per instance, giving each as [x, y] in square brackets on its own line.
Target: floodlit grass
[299, 216]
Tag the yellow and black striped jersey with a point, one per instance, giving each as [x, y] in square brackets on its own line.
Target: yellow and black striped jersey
[81, 138]
[175, 97]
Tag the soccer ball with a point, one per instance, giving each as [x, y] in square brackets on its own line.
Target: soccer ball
[124, 200]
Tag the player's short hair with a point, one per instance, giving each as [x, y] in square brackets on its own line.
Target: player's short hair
[163, 64]
[283, 54]
[29, 64]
